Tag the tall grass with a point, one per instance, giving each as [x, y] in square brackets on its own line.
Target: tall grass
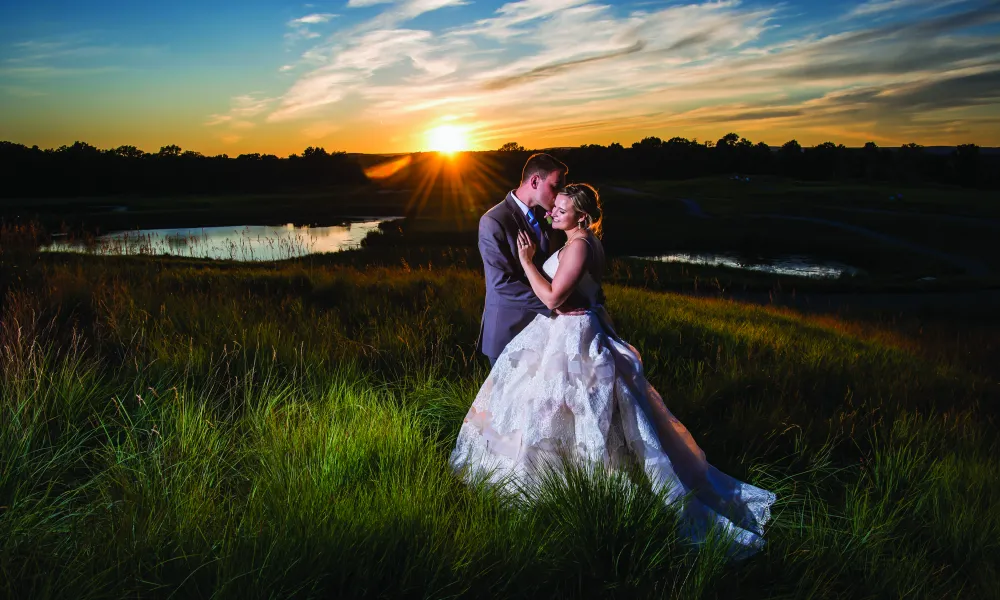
[172, 428]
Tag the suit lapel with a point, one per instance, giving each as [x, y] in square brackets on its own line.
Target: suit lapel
[544, 244]
[515, 211]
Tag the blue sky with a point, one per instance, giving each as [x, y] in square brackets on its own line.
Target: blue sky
[376, 76]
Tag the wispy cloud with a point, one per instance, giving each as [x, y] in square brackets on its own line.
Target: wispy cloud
[874, 7]
[44, 72]
[561, 69]
[21, 92]
[72, 56]
[300, 29]
[242, 109]
[312, 19]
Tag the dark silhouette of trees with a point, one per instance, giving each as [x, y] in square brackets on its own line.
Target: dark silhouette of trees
[84, 170]
[965, 165]
[511, 147]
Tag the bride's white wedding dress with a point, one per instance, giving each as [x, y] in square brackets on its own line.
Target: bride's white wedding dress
[568, 385]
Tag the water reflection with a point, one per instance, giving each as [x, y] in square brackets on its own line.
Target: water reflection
[242, 243]
[797, 266]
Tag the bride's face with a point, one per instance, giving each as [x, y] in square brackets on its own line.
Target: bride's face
[564, 214]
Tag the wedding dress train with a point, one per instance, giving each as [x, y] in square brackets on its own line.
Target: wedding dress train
[568, 385]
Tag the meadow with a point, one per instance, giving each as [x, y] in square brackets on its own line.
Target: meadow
[197, 429]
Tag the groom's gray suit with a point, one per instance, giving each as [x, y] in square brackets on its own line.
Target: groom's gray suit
[510, 303]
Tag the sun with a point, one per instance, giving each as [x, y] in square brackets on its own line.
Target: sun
[447, 139]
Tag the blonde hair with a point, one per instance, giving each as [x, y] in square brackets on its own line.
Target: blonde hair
[586, 200]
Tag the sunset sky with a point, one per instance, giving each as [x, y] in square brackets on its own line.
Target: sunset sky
[377, 75]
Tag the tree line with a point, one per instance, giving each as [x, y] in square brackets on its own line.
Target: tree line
[84, 170]
[680, 158]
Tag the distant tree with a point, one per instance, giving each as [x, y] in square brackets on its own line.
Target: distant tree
[314, 153]
[871, 162]
[910, 162]
[727, 141]
[171, 150]
[615, 146]
[726, 158]
[966, 159]
[511, 147]
[791, 147]
[192, 154]
[253, 156]
[80, 149]
[648, 143]
[128, 152]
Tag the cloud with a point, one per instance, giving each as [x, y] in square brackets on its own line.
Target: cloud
[43, 72]
[320, 130]
[548, 70]
[312, 19]
[874, 7]
[242, 108]
[549, 67]
[300, 27]
[878, 8]
[21, 92]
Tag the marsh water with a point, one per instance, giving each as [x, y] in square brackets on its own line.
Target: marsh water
[278, 242]
[235, 242]
[798, 266]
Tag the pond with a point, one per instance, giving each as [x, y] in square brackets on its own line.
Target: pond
[797, 266]
[235, 242]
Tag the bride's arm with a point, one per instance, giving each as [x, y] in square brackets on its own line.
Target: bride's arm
[572, 262]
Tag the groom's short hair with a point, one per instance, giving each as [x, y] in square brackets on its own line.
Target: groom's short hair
[542, 164]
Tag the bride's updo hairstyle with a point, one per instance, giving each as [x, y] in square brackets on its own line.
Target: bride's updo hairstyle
[586, 200]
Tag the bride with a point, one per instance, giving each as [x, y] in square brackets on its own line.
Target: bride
[569, 386]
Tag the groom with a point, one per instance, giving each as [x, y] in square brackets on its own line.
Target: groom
[510, 303]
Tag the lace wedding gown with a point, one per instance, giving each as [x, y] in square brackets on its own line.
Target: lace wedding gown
[568, 385]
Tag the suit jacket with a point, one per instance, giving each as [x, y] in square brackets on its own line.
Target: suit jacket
[510, 303]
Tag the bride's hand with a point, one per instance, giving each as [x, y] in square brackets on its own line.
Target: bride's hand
[525, 247]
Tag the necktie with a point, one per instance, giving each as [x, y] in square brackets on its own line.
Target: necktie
[537, 227]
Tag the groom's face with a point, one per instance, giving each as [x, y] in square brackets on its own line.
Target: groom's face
[548, 188]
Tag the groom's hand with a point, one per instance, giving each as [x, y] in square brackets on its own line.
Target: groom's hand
[571, 309]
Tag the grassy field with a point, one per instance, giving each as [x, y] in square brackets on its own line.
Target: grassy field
[176, 428]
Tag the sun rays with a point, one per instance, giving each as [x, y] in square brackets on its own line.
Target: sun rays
[451, 187]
